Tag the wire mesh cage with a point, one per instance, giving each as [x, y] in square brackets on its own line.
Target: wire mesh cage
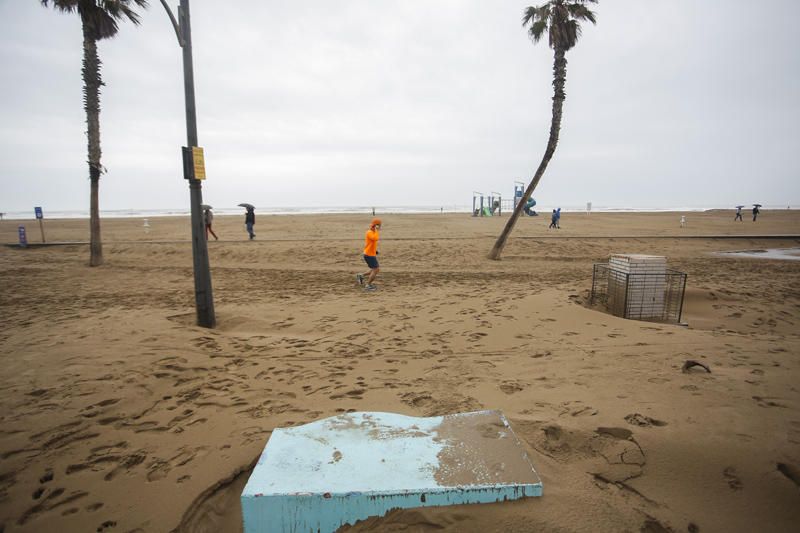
[656, 297]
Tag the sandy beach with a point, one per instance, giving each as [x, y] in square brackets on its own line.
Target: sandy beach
[118, 414]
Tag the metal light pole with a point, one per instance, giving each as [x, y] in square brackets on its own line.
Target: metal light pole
[204, 298]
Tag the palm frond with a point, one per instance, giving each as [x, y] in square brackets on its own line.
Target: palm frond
[66, 6]
[544, 11]
[581, 12]
[119, 9]
[529, 15]
[537, 30]
[533, 14]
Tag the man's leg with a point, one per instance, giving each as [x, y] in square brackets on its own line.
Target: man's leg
[372, 273]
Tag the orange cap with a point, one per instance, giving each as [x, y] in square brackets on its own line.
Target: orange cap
[375, 222]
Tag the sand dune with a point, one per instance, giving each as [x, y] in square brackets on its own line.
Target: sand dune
[117, 413]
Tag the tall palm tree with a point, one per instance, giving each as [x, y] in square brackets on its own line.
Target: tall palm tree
[99, 21]
[560, 20]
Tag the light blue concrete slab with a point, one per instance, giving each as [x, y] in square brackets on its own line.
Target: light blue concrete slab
[323, 475]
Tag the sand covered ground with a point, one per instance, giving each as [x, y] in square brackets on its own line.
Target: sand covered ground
[118, 414]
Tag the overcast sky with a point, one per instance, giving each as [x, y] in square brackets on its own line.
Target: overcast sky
[669, 103]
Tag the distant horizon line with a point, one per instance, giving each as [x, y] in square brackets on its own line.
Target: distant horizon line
[386, 209]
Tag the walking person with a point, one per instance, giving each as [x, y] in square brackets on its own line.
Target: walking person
[558, 218]
[250, 220]
[755, 212]
[208, 218]
[371, 256]
[738, 214]
[553, 220]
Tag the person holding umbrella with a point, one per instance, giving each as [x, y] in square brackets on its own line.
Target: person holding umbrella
[208, 218]
[738, 214]
[249, 219]
[756, 211]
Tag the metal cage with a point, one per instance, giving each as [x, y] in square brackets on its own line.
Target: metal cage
[639, 296]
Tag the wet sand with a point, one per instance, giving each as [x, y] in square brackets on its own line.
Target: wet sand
[117, 413]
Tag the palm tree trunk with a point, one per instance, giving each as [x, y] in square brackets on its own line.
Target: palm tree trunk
[91, 104]
[559, 79]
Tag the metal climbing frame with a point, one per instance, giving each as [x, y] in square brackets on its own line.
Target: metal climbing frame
[639, 296]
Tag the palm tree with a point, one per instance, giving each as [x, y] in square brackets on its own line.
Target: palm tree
[99, 21]
[560, 20]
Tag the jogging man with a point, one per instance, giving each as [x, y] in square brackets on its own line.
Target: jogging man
[371, 255]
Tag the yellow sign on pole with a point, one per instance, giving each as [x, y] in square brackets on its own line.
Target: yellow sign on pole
[198, 159]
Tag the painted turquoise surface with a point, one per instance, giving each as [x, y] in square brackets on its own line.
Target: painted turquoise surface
[312, 513]
[307, 452]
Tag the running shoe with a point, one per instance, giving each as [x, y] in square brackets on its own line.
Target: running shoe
[360, 279]
[370, 288]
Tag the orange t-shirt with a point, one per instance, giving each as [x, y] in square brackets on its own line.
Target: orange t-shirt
[371, 242]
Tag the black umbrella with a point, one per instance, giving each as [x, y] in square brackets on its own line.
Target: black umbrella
[756, 205]
[247, 206]
[739, 206]
[205, 206]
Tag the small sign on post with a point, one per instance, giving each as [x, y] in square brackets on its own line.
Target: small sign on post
[194, 163]
[23, 239]
[40, 218]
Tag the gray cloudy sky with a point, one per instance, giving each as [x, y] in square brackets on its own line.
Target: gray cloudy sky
[416, 102]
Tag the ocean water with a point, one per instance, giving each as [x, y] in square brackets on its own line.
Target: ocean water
[379, 210]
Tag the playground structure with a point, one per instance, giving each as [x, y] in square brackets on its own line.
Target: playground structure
[487, 205]
[493, 204]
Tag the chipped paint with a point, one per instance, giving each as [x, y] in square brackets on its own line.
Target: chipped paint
[335, 471]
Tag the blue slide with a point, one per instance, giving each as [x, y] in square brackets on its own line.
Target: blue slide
[528, 209]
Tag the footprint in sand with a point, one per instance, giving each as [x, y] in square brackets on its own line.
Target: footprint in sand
[510, 387]
[108, 524]
[732, 478]
[160, 468]
[51, 501]
[790, 471]
[48, 476]
[636, 419]
[767, 402]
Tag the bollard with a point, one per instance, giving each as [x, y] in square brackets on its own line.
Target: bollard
[23, 239]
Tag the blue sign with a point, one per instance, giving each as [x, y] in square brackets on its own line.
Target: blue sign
[23, 239]
[38, 211]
